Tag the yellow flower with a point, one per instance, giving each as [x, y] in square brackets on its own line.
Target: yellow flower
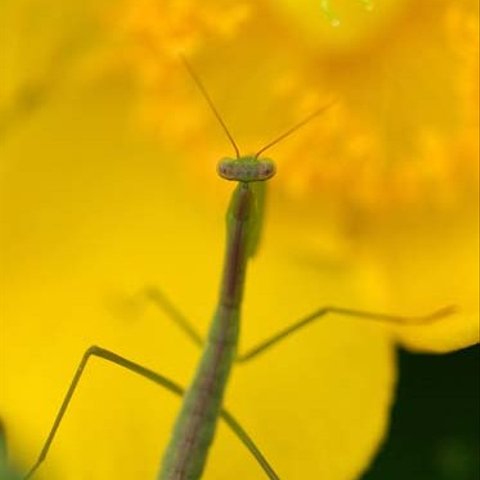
[374, 207]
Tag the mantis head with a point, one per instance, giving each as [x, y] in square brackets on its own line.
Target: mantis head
[246, 169]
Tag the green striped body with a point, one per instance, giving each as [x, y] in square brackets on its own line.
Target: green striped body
[193, 433]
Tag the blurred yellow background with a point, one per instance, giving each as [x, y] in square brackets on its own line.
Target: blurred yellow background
[108, 185]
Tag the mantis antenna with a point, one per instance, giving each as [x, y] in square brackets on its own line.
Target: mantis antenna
[284, 135]
[295, 127]
[205, 94]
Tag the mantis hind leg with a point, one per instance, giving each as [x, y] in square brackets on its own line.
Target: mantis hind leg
[378, 317]
[95, 351]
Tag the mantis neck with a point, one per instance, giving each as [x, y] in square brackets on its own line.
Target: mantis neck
[239, 216]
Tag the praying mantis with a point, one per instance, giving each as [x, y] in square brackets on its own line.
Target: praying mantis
[187, 452]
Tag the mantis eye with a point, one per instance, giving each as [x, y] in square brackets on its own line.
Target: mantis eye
[226, 170]
[266, 169]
